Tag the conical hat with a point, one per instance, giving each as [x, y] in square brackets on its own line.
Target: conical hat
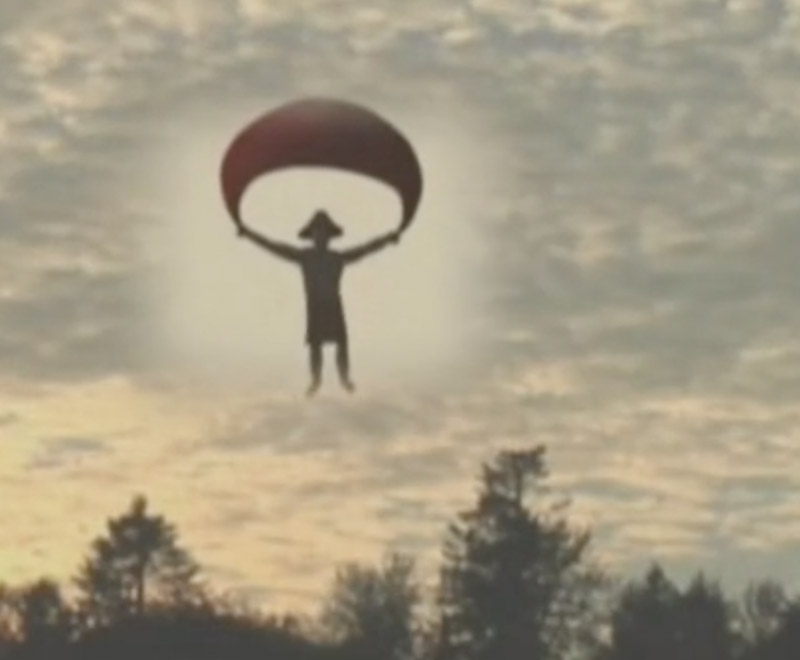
[320, 223]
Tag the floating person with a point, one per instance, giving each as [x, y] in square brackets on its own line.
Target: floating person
[334, 134]
[322, 270]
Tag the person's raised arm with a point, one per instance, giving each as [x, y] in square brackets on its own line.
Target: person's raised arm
[288, 252]
[360, 251]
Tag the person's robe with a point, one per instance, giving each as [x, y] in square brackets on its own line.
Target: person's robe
[322, 274]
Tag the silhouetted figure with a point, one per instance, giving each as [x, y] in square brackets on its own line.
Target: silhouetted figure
[322, 273]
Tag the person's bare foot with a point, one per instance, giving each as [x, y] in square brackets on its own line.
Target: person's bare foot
[312, 389]
[348, 385]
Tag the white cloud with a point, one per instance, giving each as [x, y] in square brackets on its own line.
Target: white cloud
[638, 259]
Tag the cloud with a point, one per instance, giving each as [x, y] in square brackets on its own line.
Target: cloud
[59, 453]
[9, 419]
[637, 257]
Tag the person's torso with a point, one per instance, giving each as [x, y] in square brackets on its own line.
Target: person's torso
[322, 274]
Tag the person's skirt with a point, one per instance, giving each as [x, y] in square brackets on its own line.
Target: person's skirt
[325, 322]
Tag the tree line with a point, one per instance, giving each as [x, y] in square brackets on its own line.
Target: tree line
[517, 581]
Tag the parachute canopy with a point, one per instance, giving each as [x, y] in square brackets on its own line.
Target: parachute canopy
[322, 132]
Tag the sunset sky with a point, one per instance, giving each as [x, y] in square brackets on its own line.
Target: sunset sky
[604, 262]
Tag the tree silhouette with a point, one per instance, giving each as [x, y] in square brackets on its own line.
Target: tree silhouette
[189, 633]
[137, 563]
[35, 620]
[705, 622]
[655, 620]
[370, 611]
[642, 624]
[782, 642]
[45, 619]
[516, 583]
[761, 612]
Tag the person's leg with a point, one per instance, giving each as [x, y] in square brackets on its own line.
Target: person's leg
[315, 356]
[343, 364]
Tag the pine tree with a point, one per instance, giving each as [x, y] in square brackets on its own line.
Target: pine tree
[655, 620]
[516, 582]
[136, 564]
[45, 618]
[371, 610]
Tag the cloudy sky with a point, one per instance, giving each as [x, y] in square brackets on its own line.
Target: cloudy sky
[603, 262]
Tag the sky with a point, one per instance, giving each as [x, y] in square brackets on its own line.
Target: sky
[603, 263]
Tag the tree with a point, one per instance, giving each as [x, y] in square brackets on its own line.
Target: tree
[762, 609]
[34, 615]
[516, 582]
[200, 634]
[136, 564]
[705, 622]
[371, 610]
[781, 642]
[642, 623]
[45, 620]
[655, 620]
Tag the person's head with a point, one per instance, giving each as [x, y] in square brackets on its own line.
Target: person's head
[320, 229]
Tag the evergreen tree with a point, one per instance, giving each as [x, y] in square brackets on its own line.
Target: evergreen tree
[761, 612]
[783, 642]
[372, 610]
[137, 563]
[516, 581]
[656, 621]
[45, 619]
[642, 625]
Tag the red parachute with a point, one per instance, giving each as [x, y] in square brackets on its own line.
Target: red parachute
[322, 132]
